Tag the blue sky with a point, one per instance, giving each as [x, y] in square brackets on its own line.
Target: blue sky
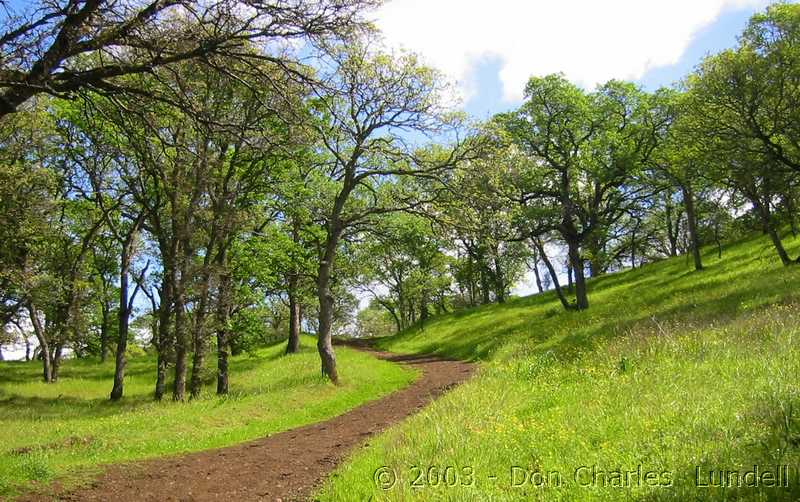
[491, 49]
[720, 35]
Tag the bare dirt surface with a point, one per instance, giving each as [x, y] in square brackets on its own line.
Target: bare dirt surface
[285, 466]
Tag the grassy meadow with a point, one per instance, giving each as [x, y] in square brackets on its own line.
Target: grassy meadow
[669, 378]
[61, 431]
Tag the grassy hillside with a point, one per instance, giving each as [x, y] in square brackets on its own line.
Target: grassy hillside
[670, 372]
[57, 429]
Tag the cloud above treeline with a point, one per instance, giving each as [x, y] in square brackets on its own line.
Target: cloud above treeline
[590, 41]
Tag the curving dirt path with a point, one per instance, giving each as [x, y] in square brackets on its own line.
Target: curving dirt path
[282, 467]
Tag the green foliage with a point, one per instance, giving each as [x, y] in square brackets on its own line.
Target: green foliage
[406, 257]
[744, 107]
[374, 321]
[575, 158]
[483, 224]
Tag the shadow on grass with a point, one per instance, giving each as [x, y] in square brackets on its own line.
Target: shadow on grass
[63, 407]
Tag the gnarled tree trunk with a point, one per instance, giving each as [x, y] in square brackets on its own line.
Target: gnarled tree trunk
[164, 338]
[125, 307]
[44, 348]
[325, 297]
[199, 343]
[769, 228]
[123, 319]
[552, 271]
[691, 218]
[581, 296]
[55, 361]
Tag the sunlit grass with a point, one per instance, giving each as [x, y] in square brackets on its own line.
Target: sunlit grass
[61, 430]
[671, 370]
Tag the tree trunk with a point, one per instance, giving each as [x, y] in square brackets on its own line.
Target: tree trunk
[672, 234]
[104, 331]
[181, 324]
[324, 344]
[401, 307]
[125, 307]
[595, 264]
[769, 228]
[222, 361]
[199, 347]
[776, 241]
[123, 319]
[472, 285]
[441, 305]
[570, 285]
[691, 218]
[325, 297]
[198, 362]
[295, 315]
[499, 279]
[791, 211]
[485, 293]
[538, 277]
[181, 343]
[552, 271]
[581, 297]
[223, 339]
[293, 344]
[398, 324]
[163, 341]
[55, 362]
[41, 337]
[164, 318]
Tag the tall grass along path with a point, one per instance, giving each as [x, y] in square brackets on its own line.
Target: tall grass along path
[285, 466]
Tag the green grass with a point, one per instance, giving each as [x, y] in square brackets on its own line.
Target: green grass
[671, 370]
[61, 431]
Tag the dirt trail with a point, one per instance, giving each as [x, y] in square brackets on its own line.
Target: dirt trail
[285, 466]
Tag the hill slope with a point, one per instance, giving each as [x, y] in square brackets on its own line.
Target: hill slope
[669, 378]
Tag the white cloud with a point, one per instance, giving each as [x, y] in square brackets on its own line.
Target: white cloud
[591, 41]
